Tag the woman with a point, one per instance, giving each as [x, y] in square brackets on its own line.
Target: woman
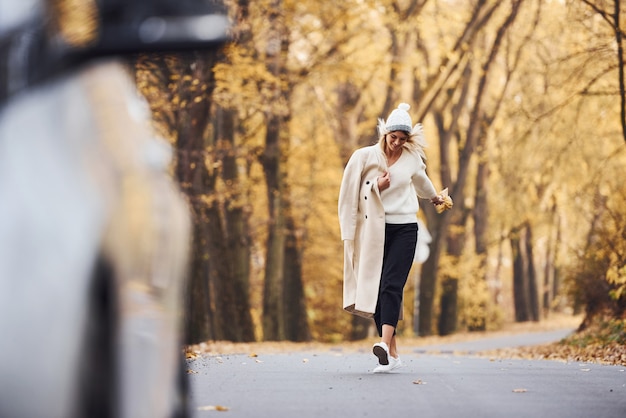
[378, 218]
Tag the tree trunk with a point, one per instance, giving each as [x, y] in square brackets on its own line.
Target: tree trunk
[198, 312]
[449, 306]
[533, 291]
[555, 285]
[296, 323]
[192, 174]
[619, 41]
[520, 298]
[525, 296]
[220, 278]
[348, 96]
[360, 328]
[481, 217]
[428, 282]
[236, 227]
[273, 320]
[272, 160]
[456, 239]
[549, 267]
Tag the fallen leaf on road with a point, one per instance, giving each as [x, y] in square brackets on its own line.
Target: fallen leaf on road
[189, 371]
[306, 360]
[213, 408]
[253, 355]
[419, 382]
[520, 390]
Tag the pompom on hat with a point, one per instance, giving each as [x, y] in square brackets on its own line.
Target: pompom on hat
[399, 119]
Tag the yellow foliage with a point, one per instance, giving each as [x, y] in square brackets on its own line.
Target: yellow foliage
[547, 149]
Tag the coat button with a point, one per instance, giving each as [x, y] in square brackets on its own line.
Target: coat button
[367, 182]
[365, 216]
[365, 197]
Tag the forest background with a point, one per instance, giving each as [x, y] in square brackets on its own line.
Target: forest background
[523, 105]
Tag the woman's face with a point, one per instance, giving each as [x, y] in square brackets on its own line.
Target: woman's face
[395, 140]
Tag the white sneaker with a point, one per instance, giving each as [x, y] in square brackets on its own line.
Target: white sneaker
[382, 369]
[381, 351]
[394, 363]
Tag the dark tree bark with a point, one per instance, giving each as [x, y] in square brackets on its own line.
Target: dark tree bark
[296, 323]
[428, 283]
[273, 319]
[525, 292]
[195, 181]
[533, 291]
[520, 290]
[619, 40]
[481, 218]
[348, 96]
[236, 227]
[449, 305]
[549, 271]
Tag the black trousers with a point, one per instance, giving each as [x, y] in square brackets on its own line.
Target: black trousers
[400, 242]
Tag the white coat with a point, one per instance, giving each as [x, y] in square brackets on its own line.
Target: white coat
[362, 223]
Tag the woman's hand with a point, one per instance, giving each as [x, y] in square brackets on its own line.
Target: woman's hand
[384, 181]
[438, 200]
[442, 201]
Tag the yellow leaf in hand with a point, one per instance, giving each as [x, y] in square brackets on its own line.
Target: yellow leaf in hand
[447, 201]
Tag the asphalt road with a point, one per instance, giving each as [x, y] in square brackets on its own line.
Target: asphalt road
[340, 384]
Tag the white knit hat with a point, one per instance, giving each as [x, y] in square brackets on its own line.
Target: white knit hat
[399, 119]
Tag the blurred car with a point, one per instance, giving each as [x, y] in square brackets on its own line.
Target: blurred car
[94, 232]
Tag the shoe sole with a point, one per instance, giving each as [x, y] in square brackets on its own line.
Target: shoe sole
[381, 354]
[378, 370]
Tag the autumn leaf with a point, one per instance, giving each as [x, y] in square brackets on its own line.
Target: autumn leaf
[213, 408]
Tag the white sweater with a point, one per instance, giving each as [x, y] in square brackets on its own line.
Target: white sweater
[407, 177]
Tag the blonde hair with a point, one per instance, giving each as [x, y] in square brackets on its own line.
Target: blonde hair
[415, 142]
